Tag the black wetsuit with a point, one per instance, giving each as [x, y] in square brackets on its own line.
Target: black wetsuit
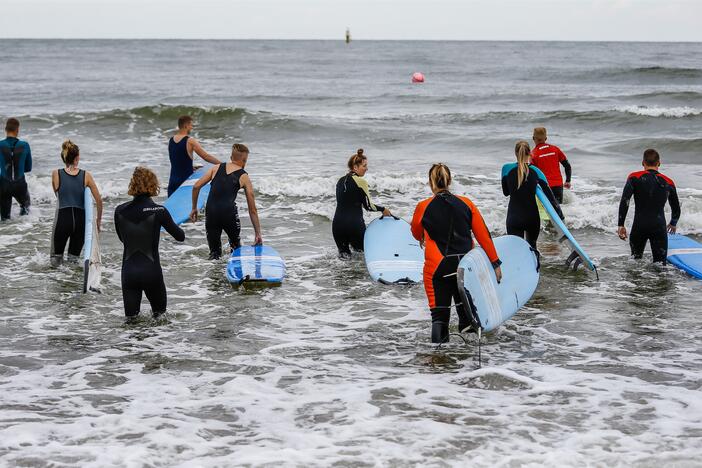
[138, 224]
[348, 227]
[15, 161]
[181, 163]
[523, 213]
[651, 191]
[221, 212]
[70, 217]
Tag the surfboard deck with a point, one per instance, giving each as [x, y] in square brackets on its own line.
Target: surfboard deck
[494, 303]
[686, 254]
[92, 266]
[255, 264]
[392, 255]
[564, 234]
[180, 202]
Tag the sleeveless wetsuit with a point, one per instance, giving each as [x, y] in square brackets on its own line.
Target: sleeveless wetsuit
[348, 227]
[547, 158]
[221, 212]
[523, 213]
[138, 224]
[181, 163]
[651, 191]
[70, 216]
[445, 222]
[15, 160]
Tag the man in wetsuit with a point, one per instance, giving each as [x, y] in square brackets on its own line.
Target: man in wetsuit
[221, 213]
[651, 191]
[180, 151]
[15, 160]
[547, 157]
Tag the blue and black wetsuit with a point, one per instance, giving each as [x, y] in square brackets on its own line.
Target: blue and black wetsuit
[15, 161]
[138, 224]
[70, 216]
[523, 213]
[651, 191]
[221, 212]
[181, 163]
[348, 227]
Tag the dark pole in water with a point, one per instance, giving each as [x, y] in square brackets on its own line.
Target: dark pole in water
[348, 35]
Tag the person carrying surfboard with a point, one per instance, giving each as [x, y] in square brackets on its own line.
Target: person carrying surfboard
[181, 147]
[138, 224]
[15, 161]
[69, 186]
[443, 224]
[352, 196]
[547, 158]
[519, 182]
[221, 212]
[651, 190]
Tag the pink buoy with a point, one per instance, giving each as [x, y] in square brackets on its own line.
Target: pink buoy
[417, 77]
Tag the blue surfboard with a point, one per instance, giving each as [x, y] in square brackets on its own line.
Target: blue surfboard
[493, 303]
[686, 254]
[393, 256]
[180, 202]
[260, 264]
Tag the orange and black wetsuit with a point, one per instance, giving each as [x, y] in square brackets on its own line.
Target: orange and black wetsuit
[445, 222]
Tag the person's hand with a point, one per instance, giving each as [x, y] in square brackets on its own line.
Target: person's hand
[567, 185]
[193, 215]
[621, 232]
[421, 242]
[258, 240]
[498, 274]
[671, 229]
[386, 212]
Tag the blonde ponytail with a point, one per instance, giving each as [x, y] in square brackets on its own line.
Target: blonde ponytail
[69, 152]
[439, 177]
[523, 152]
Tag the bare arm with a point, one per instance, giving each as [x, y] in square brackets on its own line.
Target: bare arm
[55, 180]
[90, 183]
[200, 151]
[251, 203]
[201, 182]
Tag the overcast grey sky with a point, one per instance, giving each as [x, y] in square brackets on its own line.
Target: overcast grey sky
[626, 20]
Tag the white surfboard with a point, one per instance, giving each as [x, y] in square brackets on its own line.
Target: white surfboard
[392, 255]
[92, 266]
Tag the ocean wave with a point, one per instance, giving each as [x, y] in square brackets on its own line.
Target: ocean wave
[675, 112]
[655, 72]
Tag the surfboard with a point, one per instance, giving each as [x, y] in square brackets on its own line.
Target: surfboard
[492, 303]
[686, 254]
[392, 255]
[180, 202]
[92, 266]
[578, 255]
[543, 215]
[257, 264]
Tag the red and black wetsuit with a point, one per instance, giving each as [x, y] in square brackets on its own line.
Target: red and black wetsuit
[547, 157]
[651, 191]
[445, 222]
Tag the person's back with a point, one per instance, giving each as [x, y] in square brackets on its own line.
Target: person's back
[15, 161]
[181, 162]
[651, 191]
[549, 159]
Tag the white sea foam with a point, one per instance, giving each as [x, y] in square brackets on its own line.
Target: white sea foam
[655, 111]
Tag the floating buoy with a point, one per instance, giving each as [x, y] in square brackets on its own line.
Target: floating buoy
[417, 77]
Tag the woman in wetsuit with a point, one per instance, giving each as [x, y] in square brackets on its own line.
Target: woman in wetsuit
[348, 227]
[69, 186]
[138, 224]
[221, 213]
[443, 224]
[519, 182]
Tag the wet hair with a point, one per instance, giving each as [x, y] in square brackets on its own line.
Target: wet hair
[144, 182]
[12, 125]
[356, 159]
[540, 133]
[651, 157]
[184, 120]
[69, 152]
[439, 177]
[523, 152]
[239, 148]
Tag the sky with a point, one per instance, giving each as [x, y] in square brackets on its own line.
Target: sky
[570, 20]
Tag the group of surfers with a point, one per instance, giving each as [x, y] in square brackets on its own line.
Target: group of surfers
[444, 224]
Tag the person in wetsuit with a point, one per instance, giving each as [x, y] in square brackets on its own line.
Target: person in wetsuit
[69, 186]
[15, 161]
[651, 190]
[180, 152]
[547, 158]
[221, 212]
[352, 195]
[138, 224]
[519, 182]
[443, 225]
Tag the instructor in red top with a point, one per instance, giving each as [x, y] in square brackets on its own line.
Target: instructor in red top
[547, 157]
